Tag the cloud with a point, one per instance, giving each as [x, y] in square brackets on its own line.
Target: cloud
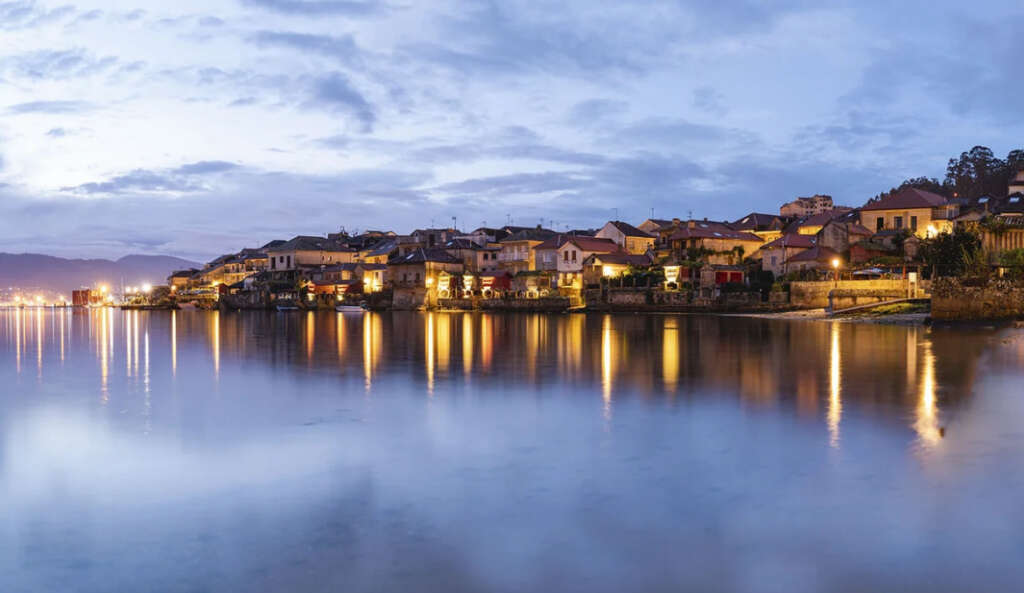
[50, 107]
[343, 48]
[336, 93]
[27, 14]
[316, 8]
[57, 64]
[57, 132]
[708, 100]
[205, 167]
[139, 180]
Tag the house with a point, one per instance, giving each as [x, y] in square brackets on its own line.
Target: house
[815, 258]
[803, 207]
[488, 235]
[869, 250]
[517, 253]
[378, 253]
[715, 242]
[840, 233]
[421, 277]
[181, 278]
[306, 251]
[534, 284]
[767, 226]
[476, 259]
[923, 213]
[428, 238]
[626, 236]
[812, 225]
[610, 265]
[776, 254]
[568, 253]
[651, 226]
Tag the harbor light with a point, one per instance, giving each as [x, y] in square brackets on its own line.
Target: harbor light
[103, 288]
[835, 263]
[146, 288]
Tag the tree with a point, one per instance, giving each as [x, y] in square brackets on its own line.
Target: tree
[948, 254]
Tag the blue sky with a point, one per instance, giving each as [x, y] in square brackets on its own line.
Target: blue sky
[197, 127]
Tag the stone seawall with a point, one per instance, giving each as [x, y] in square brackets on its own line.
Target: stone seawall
[952, 300]
[541, 305]
[814, 295]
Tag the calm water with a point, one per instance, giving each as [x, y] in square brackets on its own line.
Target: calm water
[286, 452]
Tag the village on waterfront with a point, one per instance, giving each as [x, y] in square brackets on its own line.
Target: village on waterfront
[959, 248]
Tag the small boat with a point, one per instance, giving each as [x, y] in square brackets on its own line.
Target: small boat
[287, 308]
[349, 308]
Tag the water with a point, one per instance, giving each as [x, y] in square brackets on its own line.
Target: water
[202, 452]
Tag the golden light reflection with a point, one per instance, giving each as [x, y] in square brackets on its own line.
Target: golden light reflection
[310, 335]
[104, 356]
[927, 414]
[429, 339]
[368, 349]
[444, 336]
[486, 341]
[215, 342]
[39, 343]
[606, 365]
[17, 339]
[63, 320]
[670, 354]
[835, 404]
[467, 344]
[128, 349]
[174, 343]
[339, 336]
[135, 338]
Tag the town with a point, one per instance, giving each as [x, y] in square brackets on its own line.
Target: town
[812, 253]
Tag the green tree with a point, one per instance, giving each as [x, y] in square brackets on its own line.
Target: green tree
[948, 254]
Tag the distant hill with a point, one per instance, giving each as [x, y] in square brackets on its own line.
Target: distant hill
[31, 270]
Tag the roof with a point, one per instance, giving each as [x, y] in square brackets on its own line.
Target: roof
[421, 255]
[859, 229]
[820, 219]
[755, 221]
[274, 243]
[793, 240]
[312, 243]
[816, 253]
[622, 258]
[906, 199]
[383, 248]
[583, 242]
[532, 234]
[463, 244]
[629, 230]
[712, 230]
[661, 222]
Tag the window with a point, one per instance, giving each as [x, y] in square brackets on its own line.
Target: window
[565, 256]
[897, 221]
[773, 260]
[573, 256]
[879, 223]
[913, 223]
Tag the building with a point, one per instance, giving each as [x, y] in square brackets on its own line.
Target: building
[923, 213]
[840, 233]
[714, 242]
[767, 226]
[423, 276]
[517, 253]
[476, 259]
[611, 265]
[816, 258]
[776, 254]
[308, 251]
[809, 206]
[567, 253]
[651, 226]
[181, 278]
[427, 238]
[812, 224]
[627, 236]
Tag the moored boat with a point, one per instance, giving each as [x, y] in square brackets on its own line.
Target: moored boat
[349, 308]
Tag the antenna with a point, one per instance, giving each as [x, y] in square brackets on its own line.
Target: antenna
[455, 224]
[616, 210]
[508, 219]
[652, 211]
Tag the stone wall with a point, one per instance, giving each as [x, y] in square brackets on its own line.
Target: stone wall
[997, 299]
[814, 295]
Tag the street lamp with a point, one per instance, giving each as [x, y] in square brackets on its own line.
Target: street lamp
[835, 271]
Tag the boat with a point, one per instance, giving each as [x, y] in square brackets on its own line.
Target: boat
[287, 308]
[349, 308]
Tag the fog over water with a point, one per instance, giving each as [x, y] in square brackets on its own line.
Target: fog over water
[204, 451]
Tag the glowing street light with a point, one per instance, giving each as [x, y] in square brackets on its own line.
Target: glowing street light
[835, 270]
[146, 288]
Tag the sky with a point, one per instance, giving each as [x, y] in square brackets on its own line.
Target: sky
[194, 128]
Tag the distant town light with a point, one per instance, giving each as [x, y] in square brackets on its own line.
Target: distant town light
[147, 287]
[103, 288]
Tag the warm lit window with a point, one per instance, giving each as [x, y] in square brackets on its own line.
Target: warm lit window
[913, 223]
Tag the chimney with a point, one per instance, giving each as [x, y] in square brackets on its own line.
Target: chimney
[676, 222]
[691, 224]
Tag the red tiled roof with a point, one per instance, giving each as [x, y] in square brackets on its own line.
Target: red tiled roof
[817, 253]
[629, 230]
[792, 240]
[712, 230]
[585, 243]
[907, 199]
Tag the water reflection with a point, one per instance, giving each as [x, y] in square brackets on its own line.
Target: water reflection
[717, 431]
